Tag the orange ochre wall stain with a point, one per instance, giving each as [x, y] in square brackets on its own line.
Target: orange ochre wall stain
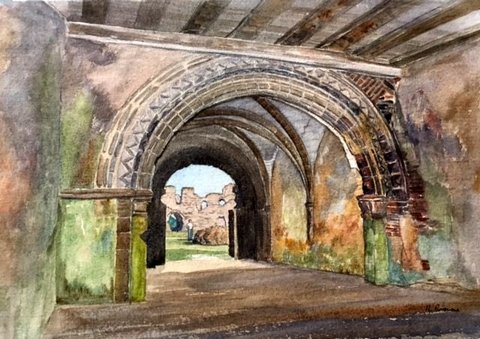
[15, 188]
[338, 243]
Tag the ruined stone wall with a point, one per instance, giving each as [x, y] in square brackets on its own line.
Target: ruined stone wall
[441, 107]
[31, 46]
[205, 211]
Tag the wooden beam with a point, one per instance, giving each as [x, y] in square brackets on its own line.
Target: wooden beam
[424, 23]
[94, 11]
[314, 21]
[149, 13]
[204, 16]
[259, 18]
[448, 41]
[223, 46]
[367, 23]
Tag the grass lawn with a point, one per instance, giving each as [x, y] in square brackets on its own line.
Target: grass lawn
[178, 248]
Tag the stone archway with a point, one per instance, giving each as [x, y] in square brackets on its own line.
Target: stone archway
[251, 195]
[149, 122]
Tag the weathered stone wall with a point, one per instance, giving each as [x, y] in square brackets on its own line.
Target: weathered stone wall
[86, 245]
[337, 241]
[203, 211]
[441, 107]
[98, 80]
[31, 45]
[288, 213]
[338, 228]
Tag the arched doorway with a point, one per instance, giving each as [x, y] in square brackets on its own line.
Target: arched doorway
[252, 226]
[204, 196]
[146, 145]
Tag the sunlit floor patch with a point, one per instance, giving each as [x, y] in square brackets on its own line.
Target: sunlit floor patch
[203, 263]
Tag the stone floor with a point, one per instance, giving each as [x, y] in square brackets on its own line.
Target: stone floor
[217, 298]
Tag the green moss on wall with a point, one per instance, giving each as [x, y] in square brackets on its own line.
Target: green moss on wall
[76, 122]
[86, 251]
[138, 278]
[35, 297]
[87, 165]
[322, 257]
[438, 248]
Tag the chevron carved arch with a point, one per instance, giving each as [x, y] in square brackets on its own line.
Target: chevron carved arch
[144, 127]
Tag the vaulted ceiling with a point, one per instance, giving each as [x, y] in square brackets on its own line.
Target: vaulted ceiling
[392, 32]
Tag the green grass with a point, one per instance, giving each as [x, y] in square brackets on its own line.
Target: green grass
[178, 248]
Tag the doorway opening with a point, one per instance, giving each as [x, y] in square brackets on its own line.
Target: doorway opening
[200, 206]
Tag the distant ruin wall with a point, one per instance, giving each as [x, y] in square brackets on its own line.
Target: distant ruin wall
[205, 211]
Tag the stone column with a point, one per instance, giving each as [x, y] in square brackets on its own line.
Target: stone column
[138, 248]
[122, 252]
[403, 233]
[377, 256]
[264, 234]
[310, 224]
[395, 210]
[232, 234]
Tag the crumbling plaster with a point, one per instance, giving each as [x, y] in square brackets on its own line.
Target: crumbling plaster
[441, 105]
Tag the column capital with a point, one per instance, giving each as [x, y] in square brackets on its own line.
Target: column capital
[372, 205]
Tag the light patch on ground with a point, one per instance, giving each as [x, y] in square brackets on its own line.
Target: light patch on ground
[203, 263]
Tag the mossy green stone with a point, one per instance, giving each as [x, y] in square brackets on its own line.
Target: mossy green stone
[138, 282]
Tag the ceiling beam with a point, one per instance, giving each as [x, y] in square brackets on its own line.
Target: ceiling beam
[367, 23]
[95, 11]
[449, 41]
[223, 46]
[424, 23]
[313, 22]
[259, 18]
[149, 14]
[204, 16]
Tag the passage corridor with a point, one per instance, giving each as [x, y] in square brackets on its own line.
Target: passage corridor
[213, 297]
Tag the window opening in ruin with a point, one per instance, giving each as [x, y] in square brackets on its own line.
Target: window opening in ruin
[198, 201]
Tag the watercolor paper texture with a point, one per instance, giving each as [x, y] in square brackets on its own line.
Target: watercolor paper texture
[345, 132]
